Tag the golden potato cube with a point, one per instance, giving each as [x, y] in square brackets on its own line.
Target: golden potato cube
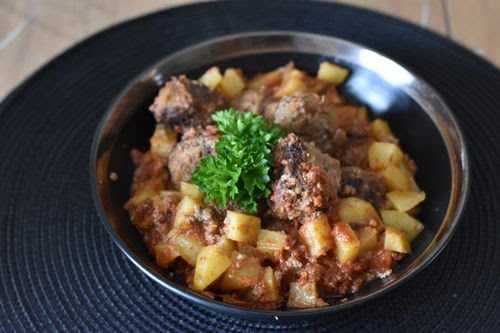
[268, 79]
[192, 191]
[368, 239]
[244, 272]
[292, 83]
[186, 208]
[332, 73]
[383, 154]
[175, 195]
[187, 243]
[317, 235]
[165, 254]
[241, 227]
[405, 200]
[163, 141]
[382, 131]
[353, 210]
[398, 178]
[211, 78]
[271, 286]
[396, 241]
[227, 245]
[232, 83]
[270, 242]
[142, 195]
[304, 295]
[403, 222]
[211, 263]
[346, 242]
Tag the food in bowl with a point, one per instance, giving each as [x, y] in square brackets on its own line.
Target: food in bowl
[273, 191]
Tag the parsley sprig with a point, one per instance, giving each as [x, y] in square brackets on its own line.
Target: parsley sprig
[239, 172]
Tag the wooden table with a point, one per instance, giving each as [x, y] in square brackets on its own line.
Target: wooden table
[34, 31]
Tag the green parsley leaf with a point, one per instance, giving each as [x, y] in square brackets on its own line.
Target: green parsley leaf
[239, 172]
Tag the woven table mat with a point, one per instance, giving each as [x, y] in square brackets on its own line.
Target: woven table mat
[60, 271]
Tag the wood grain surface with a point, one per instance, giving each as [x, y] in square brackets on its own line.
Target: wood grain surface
[31, 33]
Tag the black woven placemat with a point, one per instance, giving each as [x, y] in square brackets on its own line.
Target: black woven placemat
[59, 270]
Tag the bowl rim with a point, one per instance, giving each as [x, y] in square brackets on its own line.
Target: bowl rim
[458, 196]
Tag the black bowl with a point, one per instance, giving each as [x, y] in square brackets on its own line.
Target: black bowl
[416, 113]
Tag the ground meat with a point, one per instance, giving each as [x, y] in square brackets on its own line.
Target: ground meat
[150, 171]
[355, 152]
[195, 144]
[306, 179]
[154, 216]
[183, 103]
[305, 115]
[363, 183]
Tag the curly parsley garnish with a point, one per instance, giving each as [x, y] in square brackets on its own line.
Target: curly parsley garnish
[239, 172]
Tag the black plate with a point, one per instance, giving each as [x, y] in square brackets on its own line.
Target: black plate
[376, 82]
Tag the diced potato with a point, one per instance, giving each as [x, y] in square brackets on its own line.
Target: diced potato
[405, 200]
[332, 73]
[192, 191]
[211, 78]
[165, 254]
[142, 195]
[382, 131]
[186, 208]
[396, 241]
[317, 235]
[227, 245]
[163, 141]
[353, 210]
[368, 239]
[174, 195]
[271, 286]
[187, 243]
[241, 227]
[383, 154]
[270, 242]
[211, 263]
[398, 178]
[232, 83]
[243, 273]
[346, 242]
[269, 79]
[304, 295]
[292, 83]
[403, 222]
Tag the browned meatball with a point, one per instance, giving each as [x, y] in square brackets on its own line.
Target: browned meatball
[311, 118]
[307, 180]
[363, 183]
[195, 144]
[183, 103]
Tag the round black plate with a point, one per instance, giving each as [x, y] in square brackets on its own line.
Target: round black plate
[60, 271]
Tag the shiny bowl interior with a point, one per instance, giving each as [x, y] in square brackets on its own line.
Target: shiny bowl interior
[416, 113]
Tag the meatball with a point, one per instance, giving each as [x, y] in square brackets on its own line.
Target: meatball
[195, 144]
[310, 117]
[363, 183]
[154, 216]
[307, 180]
[183, 103]
[355, 152]
[150, 171]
